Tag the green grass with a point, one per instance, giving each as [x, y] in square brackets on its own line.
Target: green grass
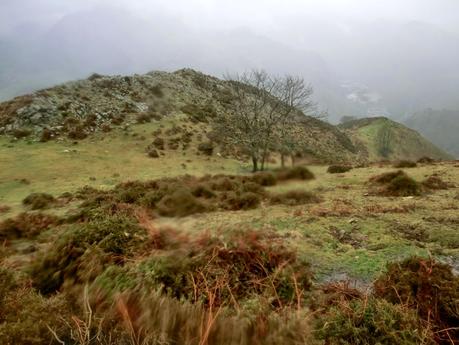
[55, 168]
[404, 143]
[58, 167]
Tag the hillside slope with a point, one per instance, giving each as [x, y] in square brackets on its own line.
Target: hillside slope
[77, 109]
[383, 139]
[100, 103]
[439, 126]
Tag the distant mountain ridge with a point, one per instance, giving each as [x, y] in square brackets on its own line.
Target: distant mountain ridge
[439, 126]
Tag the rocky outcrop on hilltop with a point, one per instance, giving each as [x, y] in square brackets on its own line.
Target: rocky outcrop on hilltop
[101, 103]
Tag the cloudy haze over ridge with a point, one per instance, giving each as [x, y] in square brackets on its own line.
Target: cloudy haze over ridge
[362, 57]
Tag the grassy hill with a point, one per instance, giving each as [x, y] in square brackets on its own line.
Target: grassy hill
[101, 103]
[384, 139]
[99, 131]
[119, 227]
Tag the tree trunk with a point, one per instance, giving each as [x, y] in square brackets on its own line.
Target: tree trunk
[255, 164]
[293, 160]
[282, 160]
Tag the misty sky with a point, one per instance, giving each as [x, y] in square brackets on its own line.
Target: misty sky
[362, 56]
[265, 16]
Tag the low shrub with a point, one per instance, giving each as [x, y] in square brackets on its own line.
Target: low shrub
[46, 135]
[199, 113]
[435, 182]
[249, 186]
[427, 287]
[240, 201]
[117, 120]
[387, 177]
[264, 178]
[396, 184]
[95, 76]
[159, 143]
[25, 315]
[77, 133]
[178, 196]
[338, 169]
[426, 160]
[225, 183]
[402, 186]
[20, 133]
[153, 153]
[371, 321]
[206, 148]
[143, 118]
[83, 251]
[295, 173]
[405, 164]
[293, 197]
[106, 128]
[180, 203]
[26, 225]
[228, 268]
[4, 209]
[157, 91]
[202, 191]
[38, 201]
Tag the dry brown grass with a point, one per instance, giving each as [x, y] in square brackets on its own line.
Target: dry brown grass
[338, 208]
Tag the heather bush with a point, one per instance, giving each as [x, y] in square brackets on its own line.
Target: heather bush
[206, 148]
[371, 321]
[38, 201]
[427, 287]
[84, 249]
[26, 225]
[405, 164]
[264, 178]
[294, 197]
[338, 169]
[295, 173]
[395, 184]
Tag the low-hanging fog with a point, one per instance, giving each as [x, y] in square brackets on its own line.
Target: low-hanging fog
[364, 58]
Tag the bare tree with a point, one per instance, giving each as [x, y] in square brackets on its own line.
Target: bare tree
[264, 108]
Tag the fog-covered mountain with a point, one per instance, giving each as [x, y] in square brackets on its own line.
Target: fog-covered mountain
[439, 126]
[366, 68]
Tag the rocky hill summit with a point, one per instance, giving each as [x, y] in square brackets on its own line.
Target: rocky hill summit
[101, 103]
[77, 109]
